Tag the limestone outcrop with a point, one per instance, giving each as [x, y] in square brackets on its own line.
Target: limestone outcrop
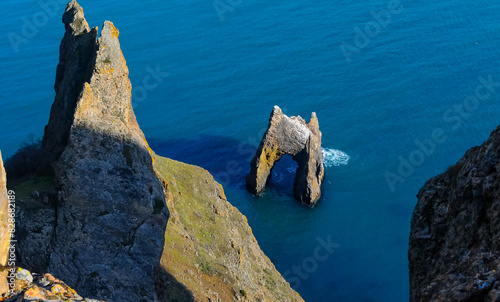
[454, 250]
[4, 217]
[301, 140]
[110, 212]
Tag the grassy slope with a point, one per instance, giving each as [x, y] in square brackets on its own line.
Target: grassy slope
[209, 246]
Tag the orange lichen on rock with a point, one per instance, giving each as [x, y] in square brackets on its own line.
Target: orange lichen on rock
[4, 217]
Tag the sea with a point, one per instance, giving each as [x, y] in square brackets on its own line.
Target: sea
[401, 90]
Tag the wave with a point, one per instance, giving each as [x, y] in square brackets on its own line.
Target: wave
[334, 158]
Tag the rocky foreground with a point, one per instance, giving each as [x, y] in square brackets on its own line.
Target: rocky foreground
[96, 216]
[454, 252]
[28, 287]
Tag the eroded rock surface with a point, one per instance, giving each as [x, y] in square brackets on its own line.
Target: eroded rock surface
[76, 63]
[301, 140]
[4, 217]
[454, 252]
[111, 213]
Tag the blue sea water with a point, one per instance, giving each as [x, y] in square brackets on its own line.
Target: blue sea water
[410, 78]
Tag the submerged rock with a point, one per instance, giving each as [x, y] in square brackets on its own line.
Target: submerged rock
[454, 251]
[301, 140]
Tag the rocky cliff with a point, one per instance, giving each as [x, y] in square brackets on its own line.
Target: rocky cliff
[98, 221]
[110, 214]
[454, 251]
[77, 59]
[4, 217]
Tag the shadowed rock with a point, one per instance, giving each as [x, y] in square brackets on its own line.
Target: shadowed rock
[4, 217]
[111, 216]
[301, 140]
[454, 248]
[76, 62]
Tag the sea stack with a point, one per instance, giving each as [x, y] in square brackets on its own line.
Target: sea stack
[301, 140]
[111, 210]
[454, 252]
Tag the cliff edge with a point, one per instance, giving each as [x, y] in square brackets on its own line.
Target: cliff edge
[105, 233]
[5, 234]
[454, 250]
[98, 220]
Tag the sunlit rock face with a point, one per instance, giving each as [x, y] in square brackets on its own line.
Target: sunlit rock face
[301, 140]
[4, 217]
[111, 213]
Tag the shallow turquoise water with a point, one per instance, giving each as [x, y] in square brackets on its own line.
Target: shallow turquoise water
[225, 76]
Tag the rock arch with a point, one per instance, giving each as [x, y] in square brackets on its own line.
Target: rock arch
[301, 140]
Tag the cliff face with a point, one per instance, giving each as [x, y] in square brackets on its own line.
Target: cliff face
[111, 215]
[209, 247]
[99, 224]
[454, 252]
[4, 217]
[77, 57]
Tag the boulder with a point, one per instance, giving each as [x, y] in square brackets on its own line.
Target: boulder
[301, 140]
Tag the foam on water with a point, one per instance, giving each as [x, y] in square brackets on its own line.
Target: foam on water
[334, 158]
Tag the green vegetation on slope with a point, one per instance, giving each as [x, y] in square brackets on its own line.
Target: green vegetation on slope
[209, 246]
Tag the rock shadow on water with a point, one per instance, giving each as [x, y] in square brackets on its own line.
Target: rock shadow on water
[227, 159]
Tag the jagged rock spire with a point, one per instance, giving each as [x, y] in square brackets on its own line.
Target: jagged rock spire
[295, 137]
[112, 216]
[76, 62]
